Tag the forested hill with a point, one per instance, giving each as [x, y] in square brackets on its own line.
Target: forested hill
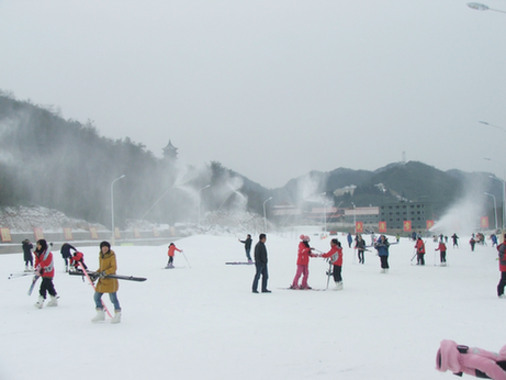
[66, 165]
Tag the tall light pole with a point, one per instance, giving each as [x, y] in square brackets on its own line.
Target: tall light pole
[265, 214]
[503, 184]
[483, 7]
[354, 218]
[324, 212]
[112, 208]
[495, 208]
[200, 199]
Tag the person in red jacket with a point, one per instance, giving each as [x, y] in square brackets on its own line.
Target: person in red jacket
[303, 255]
[420, 251]
[335, 255]
[501, 248]
[77, 258]
[171, 253]
[44, 267]
[442, 252]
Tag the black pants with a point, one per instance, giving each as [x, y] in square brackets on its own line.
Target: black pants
[501, 284]
[384, 262]
[47, 286]
[361, 256]
[261, 271]
[337, 273]
[171, 259]
[443, 256]
[420, 258]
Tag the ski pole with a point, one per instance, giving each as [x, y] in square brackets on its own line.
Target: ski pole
[413, 255]
[189, 266]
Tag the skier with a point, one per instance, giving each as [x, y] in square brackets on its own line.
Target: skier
[360, 247]
[335, 255]
[442, 252]
[303, 255]
[420, 251]
[473, 361]
[261, 265]
[247, 246]
[455, 240]
[171, 253]
[107, 265]
[350, 239]
[65, 253]
[76, 258]
[44, 267]
[27, 254]
[493, 237]
[472, 242]
[501, 248]
[381, 246]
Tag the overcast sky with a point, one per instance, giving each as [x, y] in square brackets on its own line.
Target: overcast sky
[271, 88]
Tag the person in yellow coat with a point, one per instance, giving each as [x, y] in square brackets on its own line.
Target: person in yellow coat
[107, 266]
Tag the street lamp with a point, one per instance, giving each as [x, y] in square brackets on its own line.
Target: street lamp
[492, 125]
[354, 218]
[503, 198]
[495, 208]
[112, 207]
[265, 214]
[200, 200]
[483, 7]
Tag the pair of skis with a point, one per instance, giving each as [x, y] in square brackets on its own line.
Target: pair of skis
[92, 276]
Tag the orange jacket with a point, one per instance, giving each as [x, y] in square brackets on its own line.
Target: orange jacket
[172, 249]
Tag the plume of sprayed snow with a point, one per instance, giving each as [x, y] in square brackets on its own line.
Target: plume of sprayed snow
[464, 215]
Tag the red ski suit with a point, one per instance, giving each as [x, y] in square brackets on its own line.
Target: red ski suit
[44, 263]
[339, 257]
[172, 250]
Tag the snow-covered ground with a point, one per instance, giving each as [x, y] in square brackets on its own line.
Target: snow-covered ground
[203, 322]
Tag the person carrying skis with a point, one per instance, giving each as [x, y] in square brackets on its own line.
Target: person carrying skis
[473, 361]
[381, 246]
[171, 253]
[76, 258]
[360, 247]
[303, 255]
[442, 252]
[27, 254]
[44, 267]
[66, 255]
[247, 246]
[335, 255]
[107, 265]
[420, 251]
[501, 249]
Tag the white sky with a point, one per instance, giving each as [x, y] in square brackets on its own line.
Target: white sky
[271, 89]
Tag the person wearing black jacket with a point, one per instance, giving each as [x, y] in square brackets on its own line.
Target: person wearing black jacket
[27, 254]
[247, 246]
[261, 265]
[65, 253]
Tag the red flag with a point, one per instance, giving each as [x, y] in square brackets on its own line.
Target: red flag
[407, 226]
[382, 227]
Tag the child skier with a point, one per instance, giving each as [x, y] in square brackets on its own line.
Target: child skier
[77, 258]
[360, 247]
[382, 247]
[303, 255]
[171, 253]
[335, 256]
[442, 252]
[44, 266]
[471, 360]
[420, 251]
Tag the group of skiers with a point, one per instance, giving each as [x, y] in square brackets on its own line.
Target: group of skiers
[44, 268]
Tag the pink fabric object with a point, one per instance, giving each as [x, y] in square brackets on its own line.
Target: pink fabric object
[449, 358]
[301, 270]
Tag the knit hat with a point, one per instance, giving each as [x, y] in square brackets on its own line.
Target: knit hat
[105, 244]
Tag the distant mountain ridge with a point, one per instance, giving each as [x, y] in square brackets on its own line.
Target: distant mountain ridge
[65, 165]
